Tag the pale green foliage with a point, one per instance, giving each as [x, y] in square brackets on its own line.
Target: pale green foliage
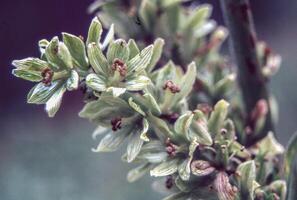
[166, 97]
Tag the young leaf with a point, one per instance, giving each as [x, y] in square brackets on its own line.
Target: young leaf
[54, 103]
[112, 141]
[140, 61]
[165, 168]
[133, 48]
[95, 32]
[97, 59]
[28, 75]
[247, 172]
[199, 16]
[72, 81]
[290, 168]
[137, 84]
[134, 146]
[77, 50]
[152, 104]
[32, 64]
[138, 172]
[217, 117]
[136, 107]
[58, 55]
[145, 127]
[157, 52]
[118, 49]
[41, 93]
[116, 91]
[95, 82]
[108, 38]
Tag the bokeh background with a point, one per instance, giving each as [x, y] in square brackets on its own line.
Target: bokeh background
[50, 159]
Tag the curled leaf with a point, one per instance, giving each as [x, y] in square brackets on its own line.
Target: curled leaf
[165, 168]
[54, 103]
[112, 141]
[134, 146]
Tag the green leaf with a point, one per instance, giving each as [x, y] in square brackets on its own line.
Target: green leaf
[140, 61]
[108, 38]
[100, 130]
[145, 127]
[247, 172]
[182, 124]
[279, 187]
[160, 127]
[41, 93]
[54, 103]
[290, 168]
[184, 169]
[106, 108]
[157, 53]
[224, 86]
[116, 91]
[138, 172]
[95, 82]
[199, 16]
[28, 75]
[134, 146]
[269, 146]
[97, 59]
[58, 55]
[77, 50]
[133, 48]
[95, 31]
[31, 64]
[165, 168]
[147, 12]
[72, 81]
[112, 141]
[136, 107]
[199, 131]
[138, 83]
[118, 49]
[217, 117]
[42, 46]
[152, 104]
[187, 83]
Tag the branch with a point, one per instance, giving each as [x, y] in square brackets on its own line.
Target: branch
[238, 17]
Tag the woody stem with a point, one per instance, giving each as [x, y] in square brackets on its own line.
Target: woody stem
[238, 17]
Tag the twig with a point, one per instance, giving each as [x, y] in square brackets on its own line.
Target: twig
[238, 18]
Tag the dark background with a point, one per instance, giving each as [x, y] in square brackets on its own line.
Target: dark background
[43, 158]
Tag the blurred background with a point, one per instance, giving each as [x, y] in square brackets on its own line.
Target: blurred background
[50, 159]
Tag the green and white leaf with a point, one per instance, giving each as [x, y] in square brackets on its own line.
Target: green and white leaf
[95, 82]
[73, 81]
[134, 146]
[140, 61]
[112, 141]
[165, 168]
[95, 31]
[41, 93]
[54, 103]
[77, 50]
[97, 60]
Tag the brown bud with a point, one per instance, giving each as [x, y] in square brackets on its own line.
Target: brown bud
[116, 123]
[120, 66]
[171, 86]
[47, 75]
